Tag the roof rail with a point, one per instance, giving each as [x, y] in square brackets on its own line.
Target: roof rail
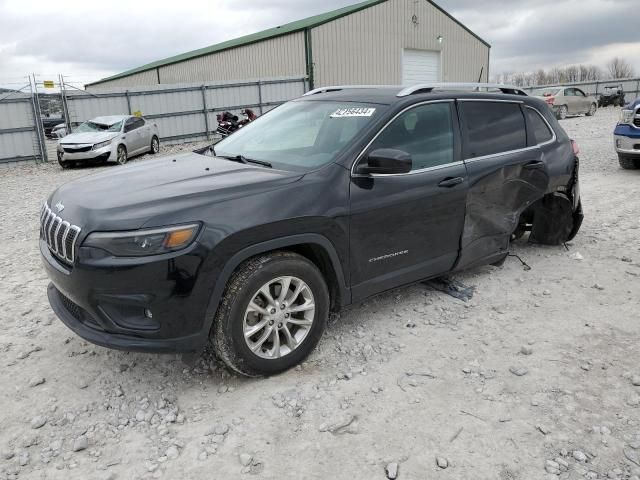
[338, 88]
[429, 87]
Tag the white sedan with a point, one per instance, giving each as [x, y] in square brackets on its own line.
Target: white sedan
[113, 138]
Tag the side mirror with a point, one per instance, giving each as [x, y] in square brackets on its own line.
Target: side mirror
[385, 161]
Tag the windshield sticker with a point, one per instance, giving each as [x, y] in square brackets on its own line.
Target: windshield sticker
[353, 112]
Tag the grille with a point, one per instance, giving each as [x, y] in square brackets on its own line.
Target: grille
[77, 149]
[60, 236]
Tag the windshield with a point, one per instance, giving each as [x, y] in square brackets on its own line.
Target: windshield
[98, 127]
[545, 92]
[300, 135]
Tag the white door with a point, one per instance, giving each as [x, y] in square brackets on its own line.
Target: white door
[420, 66]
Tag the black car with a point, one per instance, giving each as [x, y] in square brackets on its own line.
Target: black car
[49, 123]
[612, 95]
[323, 202]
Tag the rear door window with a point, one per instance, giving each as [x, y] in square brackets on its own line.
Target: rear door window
[492, 127]
[538, 128]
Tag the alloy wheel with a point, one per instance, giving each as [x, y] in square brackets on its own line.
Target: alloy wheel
[122, 155]
[279, 317]
[155, 145]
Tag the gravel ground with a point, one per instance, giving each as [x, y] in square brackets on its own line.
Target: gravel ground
[537, 377]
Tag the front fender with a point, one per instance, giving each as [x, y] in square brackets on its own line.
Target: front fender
[267, 246]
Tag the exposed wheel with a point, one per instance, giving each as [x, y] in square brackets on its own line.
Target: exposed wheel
[629, 163]
[562, 112]
[121, 155]
[272, 314]
[62, 163]
[155, 145]
[592, 110]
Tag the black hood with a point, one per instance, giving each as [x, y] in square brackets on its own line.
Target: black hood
[126, 198]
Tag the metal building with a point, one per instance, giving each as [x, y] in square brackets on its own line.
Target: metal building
[372, 42]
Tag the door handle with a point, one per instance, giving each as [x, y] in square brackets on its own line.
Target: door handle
[534, 165]
[451, 182]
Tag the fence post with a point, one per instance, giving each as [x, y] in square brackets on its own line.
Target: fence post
[638, 88]
[205, 110]
[38, 122]
[65, 106]
[260, 96]
[126, 93]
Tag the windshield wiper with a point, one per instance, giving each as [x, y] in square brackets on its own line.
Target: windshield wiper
[243, 159]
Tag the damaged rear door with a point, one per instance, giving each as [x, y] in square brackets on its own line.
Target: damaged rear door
[505, 176]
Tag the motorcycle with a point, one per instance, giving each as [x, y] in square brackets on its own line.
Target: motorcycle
[229, 123]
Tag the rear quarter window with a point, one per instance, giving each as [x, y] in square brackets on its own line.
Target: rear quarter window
[538, 127]
[493, 127]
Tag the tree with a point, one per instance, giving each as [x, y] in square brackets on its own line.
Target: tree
[619, 68]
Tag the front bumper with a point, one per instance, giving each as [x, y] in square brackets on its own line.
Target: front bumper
[107, 304]
[626, 139]
[103, 153]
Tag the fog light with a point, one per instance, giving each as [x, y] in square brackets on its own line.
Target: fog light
[148, 313]
[618, 143]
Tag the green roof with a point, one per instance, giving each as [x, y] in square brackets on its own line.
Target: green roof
[281, 30]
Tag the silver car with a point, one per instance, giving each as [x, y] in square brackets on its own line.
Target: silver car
[113, 138]
[567, 101]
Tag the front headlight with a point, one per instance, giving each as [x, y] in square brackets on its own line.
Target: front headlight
[142, 243]
[626, 116]
[102, 144]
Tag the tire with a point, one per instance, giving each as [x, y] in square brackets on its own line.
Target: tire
[64, 165]
[121, 155]
[155, 145]
[235, 317]
[628, 163]
[592, 110]
[562, 112]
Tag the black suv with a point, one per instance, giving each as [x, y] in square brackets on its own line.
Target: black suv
[324, 201]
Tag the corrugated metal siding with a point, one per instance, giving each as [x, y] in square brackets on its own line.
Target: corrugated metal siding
[16, 114]
[150, 77]
[179, 109]
[366, 47]
[282, 56]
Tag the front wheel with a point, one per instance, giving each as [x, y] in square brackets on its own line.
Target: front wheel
[592, 110]
[272, 314]
[628, 163]
[121, 155]
[155, 145]
[562, 112]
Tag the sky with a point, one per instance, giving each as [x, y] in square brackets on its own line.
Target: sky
[88, 40]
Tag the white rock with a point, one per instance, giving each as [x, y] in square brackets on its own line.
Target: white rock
[392, 471]
[34, 382]
[80, 443]
[442, 462]
[579, 456]
[38, 421]
[172, 452]
[245, 459]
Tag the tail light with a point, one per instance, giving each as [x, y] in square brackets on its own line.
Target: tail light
[550, 100]
[576, 148]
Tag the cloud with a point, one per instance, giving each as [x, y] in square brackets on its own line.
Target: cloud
[90, 40]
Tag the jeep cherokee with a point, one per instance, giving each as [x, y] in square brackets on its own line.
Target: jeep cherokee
[326, 200]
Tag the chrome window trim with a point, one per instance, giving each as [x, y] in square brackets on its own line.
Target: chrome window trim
[384, 127]
[489, 100]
